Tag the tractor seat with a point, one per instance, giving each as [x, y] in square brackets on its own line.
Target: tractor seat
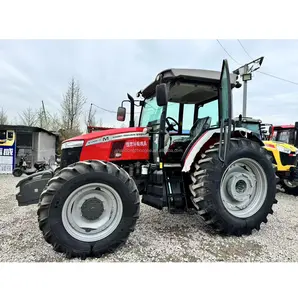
[198, 127]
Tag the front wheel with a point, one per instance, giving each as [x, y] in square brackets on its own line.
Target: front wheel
[237, 197]
[17, 172]
[290, 187]
[88, 209]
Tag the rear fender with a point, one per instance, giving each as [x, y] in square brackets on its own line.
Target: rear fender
[209, 137]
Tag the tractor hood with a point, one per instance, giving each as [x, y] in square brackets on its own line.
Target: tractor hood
[107, 133]
[281, 145]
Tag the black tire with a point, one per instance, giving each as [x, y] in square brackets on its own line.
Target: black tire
[69, 179]
[57, 170]
[289, 190]
[205, 188]
[17, 172]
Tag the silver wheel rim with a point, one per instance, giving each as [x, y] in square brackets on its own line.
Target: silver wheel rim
[92, 212]
[290, 184]
[243, 187]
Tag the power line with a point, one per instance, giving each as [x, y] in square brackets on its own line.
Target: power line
[245, 50]
[276, 77]
[228, 53]
[104, 109]
[111, 111]
[264, 73]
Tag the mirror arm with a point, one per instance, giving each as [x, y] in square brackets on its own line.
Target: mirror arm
[124, 101]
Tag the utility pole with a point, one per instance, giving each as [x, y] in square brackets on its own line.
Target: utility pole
[44, 112]
[245, 68]
[245, 72]
[89, 115]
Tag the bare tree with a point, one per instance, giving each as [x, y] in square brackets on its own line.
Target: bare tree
[16, 121]
[72, 107]
[3, 117]
[29, 117]
[54, 123]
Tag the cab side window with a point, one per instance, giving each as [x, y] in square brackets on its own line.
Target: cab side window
[284, 136]
[210, 109]
[188, 115]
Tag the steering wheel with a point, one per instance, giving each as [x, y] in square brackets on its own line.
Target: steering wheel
[172, 126]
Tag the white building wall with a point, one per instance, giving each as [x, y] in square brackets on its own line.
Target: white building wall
[35, 146]
[46, 146]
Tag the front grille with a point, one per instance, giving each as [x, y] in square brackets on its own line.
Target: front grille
[286, 159]
[70, 156]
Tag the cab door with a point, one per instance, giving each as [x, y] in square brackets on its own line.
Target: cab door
[225, 110]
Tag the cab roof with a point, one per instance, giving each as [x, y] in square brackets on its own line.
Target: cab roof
[248, 120]
[186, 75]
[284, 126]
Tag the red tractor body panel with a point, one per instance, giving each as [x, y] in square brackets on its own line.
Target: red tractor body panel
[121, 144]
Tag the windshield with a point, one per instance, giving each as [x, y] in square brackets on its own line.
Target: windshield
[282, 136]
[254, 127]
[151, 112]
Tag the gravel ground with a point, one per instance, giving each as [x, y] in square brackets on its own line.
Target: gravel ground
[159, 236]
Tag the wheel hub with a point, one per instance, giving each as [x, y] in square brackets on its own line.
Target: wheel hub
[243, 187]
[92, 209]
[240, 187]
[290, 184]
[92, 212]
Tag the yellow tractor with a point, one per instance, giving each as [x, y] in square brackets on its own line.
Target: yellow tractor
[283, 145]
[282, 151]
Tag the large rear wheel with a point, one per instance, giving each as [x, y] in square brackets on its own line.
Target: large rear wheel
[237, 197]
[88, 209]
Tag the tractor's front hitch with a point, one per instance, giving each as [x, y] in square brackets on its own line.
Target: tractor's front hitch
[31, 187]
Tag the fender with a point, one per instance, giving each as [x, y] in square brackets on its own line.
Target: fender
[194, 147]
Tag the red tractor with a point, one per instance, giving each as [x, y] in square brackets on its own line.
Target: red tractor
[285, 133]
[186, 155]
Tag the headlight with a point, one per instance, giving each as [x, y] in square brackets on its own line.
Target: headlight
[283, 149]
[72, 144]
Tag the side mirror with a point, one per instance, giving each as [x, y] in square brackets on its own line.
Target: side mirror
[296, 125]
[121, 113]
[161, 94]
[270, 129]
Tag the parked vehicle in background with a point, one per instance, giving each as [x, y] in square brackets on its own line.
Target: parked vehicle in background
[22, 167]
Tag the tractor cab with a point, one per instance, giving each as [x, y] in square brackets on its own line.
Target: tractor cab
[254, 125]
[181, 105]
[286, 134]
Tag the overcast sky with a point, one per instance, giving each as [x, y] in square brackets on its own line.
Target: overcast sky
[35, 70]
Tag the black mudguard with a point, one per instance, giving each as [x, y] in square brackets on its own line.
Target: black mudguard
[32, 186]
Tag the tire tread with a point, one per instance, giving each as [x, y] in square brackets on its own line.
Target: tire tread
[57, 182]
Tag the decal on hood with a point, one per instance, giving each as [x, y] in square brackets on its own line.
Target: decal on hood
[109, 138]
